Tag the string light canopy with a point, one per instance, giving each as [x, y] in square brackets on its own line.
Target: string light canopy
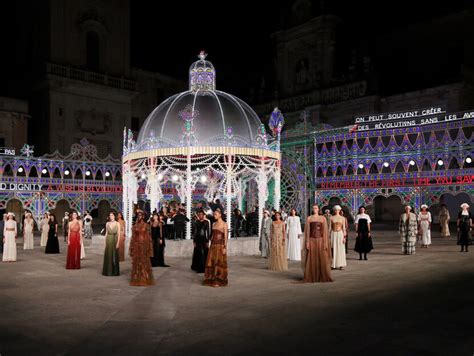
[202, 136]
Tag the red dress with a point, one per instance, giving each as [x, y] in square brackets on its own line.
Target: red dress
[74, 248]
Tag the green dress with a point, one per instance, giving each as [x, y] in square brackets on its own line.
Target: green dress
[111, 255]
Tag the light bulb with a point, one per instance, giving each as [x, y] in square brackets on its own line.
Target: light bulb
[386, 164]
[107, 174]
[143, 175]
[88, 173]
[66, 172]
[174, 178]
[411, 163]
[440, 162]
[44, 171]
[468, 159]
[360, 165]
[160, 176]
[20, 170]
[203, 179]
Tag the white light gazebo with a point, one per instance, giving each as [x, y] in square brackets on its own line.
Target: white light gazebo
[202, 136]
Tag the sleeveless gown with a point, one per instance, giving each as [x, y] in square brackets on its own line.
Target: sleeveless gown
[74, 248]
[28, 241]
[216, 264]
[278, 255]
[52, 245]
[318, 257]
[141, 250]
[111, 265]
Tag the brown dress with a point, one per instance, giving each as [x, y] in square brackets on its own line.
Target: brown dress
[318, 257]
[141, 250]
[215, 273]
[122, 241]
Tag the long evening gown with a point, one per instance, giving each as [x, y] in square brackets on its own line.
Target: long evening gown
[318, 256]
[337, 242]
[425, 221]
[201, 249]
[141, 250]
[216, 264]
[111, 258]
[464, 230]
[9, 247]
[155, 238]
[28, 242]
[444, 222]
[74, 248]
[278, 256]
[363, 243]
[52, 246]
[294, 231]
[122, 241]
[44, 232]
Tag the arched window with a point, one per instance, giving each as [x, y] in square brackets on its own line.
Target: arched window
[92, 50]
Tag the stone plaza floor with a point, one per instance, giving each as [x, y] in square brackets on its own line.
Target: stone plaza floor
[390, 305]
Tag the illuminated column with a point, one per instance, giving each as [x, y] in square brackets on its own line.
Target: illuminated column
[228, 194]
[189, 194]
[277, 186]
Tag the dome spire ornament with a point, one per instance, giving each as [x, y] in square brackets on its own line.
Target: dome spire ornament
[202, 75]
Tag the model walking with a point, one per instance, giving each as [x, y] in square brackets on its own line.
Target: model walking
[9, 239]
[88, 226]
[293, 223]
[318, 251]
[338, 239]
[52, 246]
[44, 229]
[65, 225]
[444, 218]
[464, 224]
[201, 234]
[216, 265]
[363, 243]
[140, 251]
[111, 265]
[28, 226]
[74, 240]
[278, 255]
[424, 227]
[408, 230]
[121, 221]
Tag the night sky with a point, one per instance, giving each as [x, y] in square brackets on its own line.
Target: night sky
[166, 37]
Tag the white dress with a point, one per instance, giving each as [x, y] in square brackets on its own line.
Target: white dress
[425, 220]
[9, 246]
[28, 242]
[338, 247]
[44, 232]
[294, 244]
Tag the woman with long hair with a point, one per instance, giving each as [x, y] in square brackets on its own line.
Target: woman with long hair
[278, 256]
[215, 274]
[293, 223]
[111, 265]
[28, 226]
[52, 246]
[141, 250]
[363, 243]
[74, 240]
[121, 248]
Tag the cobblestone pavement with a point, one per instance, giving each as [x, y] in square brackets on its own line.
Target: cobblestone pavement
[390, 305]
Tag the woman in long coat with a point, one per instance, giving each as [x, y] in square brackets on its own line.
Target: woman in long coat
[408, 230]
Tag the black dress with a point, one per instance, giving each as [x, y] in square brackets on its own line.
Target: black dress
[464, 230]
[201, 239]
[52, 246]
[363, 240]
[158, 258]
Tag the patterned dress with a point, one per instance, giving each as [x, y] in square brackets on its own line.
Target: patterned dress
[408, 230]
[141, 250]
[215, 273]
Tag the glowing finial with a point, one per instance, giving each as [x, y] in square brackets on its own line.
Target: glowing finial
[202, 55]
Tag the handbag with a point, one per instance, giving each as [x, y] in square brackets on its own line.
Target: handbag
[102, 232]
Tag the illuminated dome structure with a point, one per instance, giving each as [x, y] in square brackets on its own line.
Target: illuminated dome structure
[204, 137]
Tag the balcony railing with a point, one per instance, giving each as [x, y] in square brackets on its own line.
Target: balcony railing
[91, 77]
